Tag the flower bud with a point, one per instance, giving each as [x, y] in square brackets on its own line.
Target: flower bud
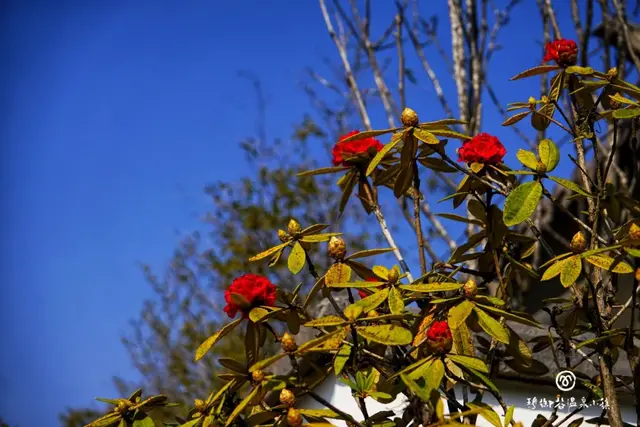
[257, 376]
[336, 248]
[578, 242]
[612, 73]
[293, 227]
[287, 397]
[470, 288]
[288, 343]
[634, 232]
[532, 103]
[518, 424]
[123, 406]
[294, 417]
[200, 405]
[637, 275]
[613, 103]
[373, 313]
[541, 167]
[394, 275]
[544, 99]
[409, 117]
[283, 236]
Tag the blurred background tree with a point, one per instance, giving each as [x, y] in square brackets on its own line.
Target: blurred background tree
[245, 214]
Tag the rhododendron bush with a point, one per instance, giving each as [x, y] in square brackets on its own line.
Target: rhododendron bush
[412, 333]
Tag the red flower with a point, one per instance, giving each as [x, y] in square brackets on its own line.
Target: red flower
[563, 51]
[482, 148]
[366, 146]
[362, 292]
[257, 290]
[439, 337]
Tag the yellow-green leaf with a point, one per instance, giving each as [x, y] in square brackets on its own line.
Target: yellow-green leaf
[516, 118]
[508, 416]
[258, 313]
[447, 133]
[357, 285]
[209, 342]
[435, 374]
[321, 237]
[626, 113]
[368, 253]
[570, 271]
[541, 69]
[396, 303]
[395, 139]
[491, 326]
[380, 271]
[268, 252]
[425, 136]
[368, 134]
[325, 321]
[487, 413]
[297, 258]
[373, 301]
[576, 69]
[264, 363]
[338, 273]
[242, 405]
[555, 269]
[433, 287]
[469, 362]
[321, 171]
[527, 158]
[570, 185]
[317, 341]
[549, 154]
[522, 203]
[607, 263]
[341, 358]
[459, 313]
[386, 334]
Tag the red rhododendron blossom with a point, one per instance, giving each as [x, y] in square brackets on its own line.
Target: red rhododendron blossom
[258, 290]
[482, 148]
[352, 148]
[564, 52]
[439, 336]
[362, 292]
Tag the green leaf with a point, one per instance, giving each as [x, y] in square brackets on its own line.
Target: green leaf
[396, 303]
[386, 334]
[460, 218]
[487, 413]
[192, 423]
[321, 171]
[268, 252]
[450, 134]
[626, 113]
[436, 165]
[297, 258]
[469, 362]
[433, 287]
[519, 317]
[570, 185]
[549, 154]
[232, 365]
[425, 136]
[337, 273]
[395, 139]
[521, 203]
[319, 413]
[341, 358]
[144, 422]
[491, 326]
[317, 341]
[241, 406]
[570, 272]
[435, 374]
[368, 252]
[607, 263]
[459, 313]
[535, 71]
[527, 158]
[357, 285]
[209, 342]
[368, 134]
[351, 179]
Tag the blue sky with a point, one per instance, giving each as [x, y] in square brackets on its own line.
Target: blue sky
[115, 115]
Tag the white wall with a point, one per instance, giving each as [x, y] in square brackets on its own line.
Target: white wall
[514, 393]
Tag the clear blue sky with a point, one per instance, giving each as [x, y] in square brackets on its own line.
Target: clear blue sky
[115, 115]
